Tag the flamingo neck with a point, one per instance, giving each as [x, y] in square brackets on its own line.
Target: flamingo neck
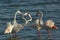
[40, 20]
[30, 18]
[26, 21]
[14, 21]
[15, 17]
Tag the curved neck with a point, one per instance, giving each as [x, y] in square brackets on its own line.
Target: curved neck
[41, 16]
[26, 21]
[16, 14]
[30, 18]
[15, 18]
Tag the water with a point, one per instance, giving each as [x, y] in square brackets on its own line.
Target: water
[50, 8]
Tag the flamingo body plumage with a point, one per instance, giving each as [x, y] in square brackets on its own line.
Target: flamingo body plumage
[15, 27]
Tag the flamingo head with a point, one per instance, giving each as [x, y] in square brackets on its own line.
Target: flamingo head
[39, 13]
[19, 12]
[28, 16]
[51, 24]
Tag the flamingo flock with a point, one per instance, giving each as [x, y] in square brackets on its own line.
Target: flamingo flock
[38, 23]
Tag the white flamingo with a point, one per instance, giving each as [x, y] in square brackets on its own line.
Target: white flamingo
[15, 26]
[49, 24]
[10, 26]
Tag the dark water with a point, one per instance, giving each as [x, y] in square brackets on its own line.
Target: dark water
[50, 8]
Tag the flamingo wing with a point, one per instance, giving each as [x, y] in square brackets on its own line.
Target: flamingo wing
[18, 27]
[9, 28]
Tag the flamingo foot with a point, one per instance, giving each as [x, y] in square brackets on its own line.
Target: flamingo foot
[49, 35]
[14, 36]
[10, 36]
[38, 32]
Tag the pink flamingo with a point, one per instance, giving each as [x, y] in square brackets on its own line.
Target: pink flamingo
[49, 24]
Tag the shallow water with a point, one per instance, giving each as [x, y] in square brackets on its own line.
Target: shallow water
[50, 8]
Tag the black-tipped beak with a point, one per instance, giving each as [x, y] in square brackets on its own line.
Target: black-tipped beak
[54, 27]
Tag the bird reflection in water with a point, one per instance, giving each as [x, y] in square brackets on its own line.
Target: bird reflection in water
[14, 38]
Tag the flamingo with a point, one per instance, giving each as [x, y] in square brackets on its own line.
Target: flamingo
[39, 24]
[19, 26]
[15, 27]
[10, 26]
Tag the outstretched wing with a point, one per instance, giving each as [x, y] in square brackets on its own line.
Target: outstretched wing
[9, 28]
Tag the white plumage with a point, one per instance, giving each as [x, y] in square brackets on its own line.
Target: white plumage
[15, 26]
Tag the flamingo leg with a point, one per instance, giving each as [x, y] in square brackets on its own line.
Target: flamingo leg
[38, 32]
[14, 35]
[10, 37]
[49, 34]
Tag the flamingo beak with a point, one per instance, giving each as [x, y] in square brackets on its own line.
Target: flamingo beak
[54, 27]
